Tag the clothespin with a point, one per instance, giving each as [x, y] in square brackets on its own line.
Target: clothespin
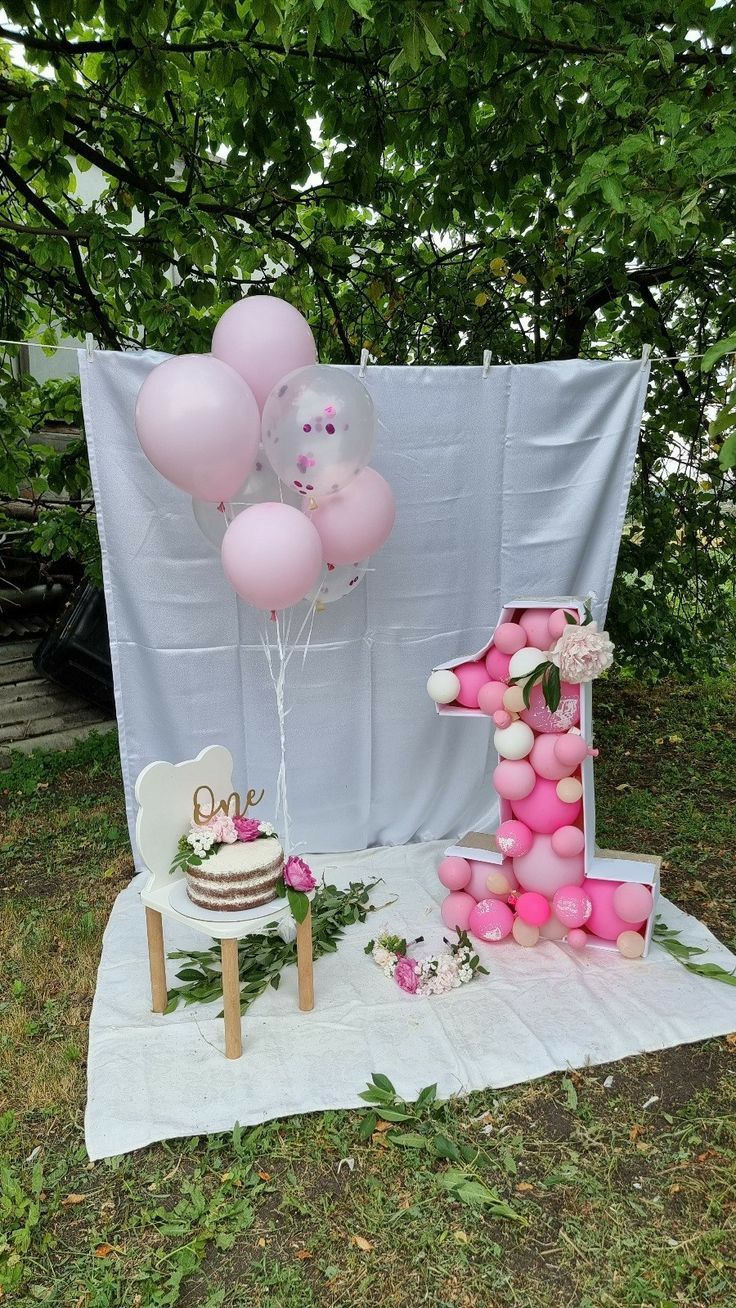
[89, 345]
[364, 361]
[486, 362]
[646, 350]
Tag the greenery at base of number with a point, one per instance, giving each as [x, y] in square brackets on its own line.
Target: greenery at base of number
[262, 958]
[670, 941]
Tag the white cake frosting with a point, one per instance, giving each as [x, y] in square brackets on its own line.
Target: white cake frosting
[237, 877]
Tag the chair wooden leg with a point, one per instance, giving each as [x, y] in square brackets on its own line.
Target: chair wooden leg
[304, 963]
[231, 997]
[156, 959]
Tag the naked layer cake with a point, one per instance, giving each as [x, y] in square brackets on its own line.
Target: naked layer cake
[237, 876]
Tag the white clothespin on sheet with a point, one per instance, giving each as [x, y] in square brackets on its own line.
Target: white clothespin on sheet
[89, 345]
[365, 359]
[646, 350]
[486, 362]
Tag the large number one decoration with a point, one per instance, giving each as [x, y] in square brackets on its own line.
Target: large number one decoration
[540, 875]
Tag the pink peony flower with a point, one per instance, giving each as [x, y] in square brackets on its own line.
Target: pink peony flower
[298, 874]
[582, 653]
[223, 829]
[406, 974]
[247, 828]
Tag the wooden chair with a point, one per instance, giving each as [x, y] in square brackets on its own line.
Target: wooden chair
[165, 795]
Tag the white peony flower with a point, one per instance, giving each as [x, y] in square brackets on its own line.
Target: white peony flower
[582, 653]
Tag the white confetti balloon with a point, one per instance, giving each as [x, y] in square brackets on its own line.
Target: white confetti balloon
[336, 582]
[318, 426]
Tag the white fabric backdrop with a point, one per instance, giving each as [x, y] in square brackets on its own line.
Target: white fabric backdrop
[508, 485]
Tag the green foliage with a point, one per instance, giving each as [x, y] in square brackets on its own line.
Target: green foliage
[670, 941]
[424, 180]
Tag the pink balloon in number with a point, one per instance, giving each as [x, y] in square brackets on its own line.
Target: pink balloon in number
[567, 714]
[454, 873]
[544, 758]
[535, 623]
[509, 637]
[318, 426]
[456, 910]
[543, 870]
[604, 921]
[533, 908]
[572, 905]
[472, 676]
[271, 555]
[198, 424]
[490, 920]
[356, 521]
[514, 778]
[497, 664]
[480, 872]
[543, 810]
[263, 338]
[490, 697]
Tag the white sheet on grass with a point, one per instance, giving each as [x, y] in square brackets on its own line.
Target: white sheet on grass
[508, 485]
[154, 1078]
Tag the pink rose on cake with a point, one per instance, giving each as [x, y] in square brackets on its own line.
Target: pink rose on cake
[247, 829]
[223, 829]
[298, 875]
[582, 653]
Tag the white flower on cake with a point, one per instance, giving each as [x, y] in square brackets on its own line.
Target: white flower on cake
[201, 839]
[582, 653]
[266, 829]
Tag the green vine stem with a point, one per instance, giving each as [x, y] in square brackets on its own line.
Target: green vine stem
[669, 940]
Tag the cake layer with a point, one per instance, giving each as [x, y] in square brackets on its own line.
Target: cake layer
[238, 876]
[243, 856]
[230, 903]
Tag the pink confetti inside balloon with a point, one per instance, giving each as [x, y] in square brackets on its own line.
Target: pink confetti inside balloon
[508, 637]
[545, 761]
[490, 697]
[570, 750]
[497, 664]
[471, 677]
[491, 920]
[633, 902]
[630, 944]
[543, 810]
[572, 906]
[543, 870]
[535, 623]
[533, 908]
[558, 622]
[604, 921]
[514, 778]
[454, 873]
[567, 841]
[567, 714]
[481, 872]
[577, 938]
[456, 910]
[569, 790]
[513, 839]
[525, 933]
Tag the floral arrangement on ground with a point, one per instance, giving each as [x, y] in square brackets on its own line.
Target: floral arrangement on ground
[262, 958]
[454, 967]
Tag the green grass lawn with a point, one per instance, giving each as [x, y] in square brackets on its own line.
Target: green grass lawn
[611, 1186]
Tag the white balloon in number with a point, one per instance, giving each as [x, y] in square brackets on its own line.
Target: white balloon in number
[318, 426]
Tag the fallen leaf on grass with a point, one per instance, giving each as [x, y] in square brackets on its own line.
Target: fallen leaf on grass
[303, 1255]
[383, 1126]
[73, 1199]
[360, 1242]
[104, 1250]
[524, 1187]
[461, 1237]
[264, 1176]
[624, 786]
[261, 1242]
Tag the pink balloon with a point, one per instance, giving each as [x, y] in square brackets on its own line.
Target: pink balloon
[198, 424]
[497, 664]
[570, 750]
[535, 623]
[513, 839]
[490, 697]
[454, 873]
[508, 637]
[543, 870]
[502, 719]
[491, 920]
[577, 938]
[472, 676]
[544, 760]
[514, 778]
[271, 555]
[567, 714]
[633, 902]
[567, 841]
[572, 906]
[558, 622]
[543, 810]
[456, 910]
[479, 874]
[357, 520]
[533, 908]
[263, 338]
[604, 921]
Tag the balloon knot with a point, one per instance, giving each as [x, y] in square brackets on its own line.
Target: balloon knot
[221, 507]
[330, 567]
[312, 504]
[273, 615]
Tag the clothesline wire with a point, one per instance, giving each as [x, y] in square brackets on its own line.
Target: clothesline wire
[657, 358]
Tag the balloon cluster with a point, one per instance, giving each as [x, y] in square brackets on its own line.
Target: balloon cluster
[540, 889]
[260, 426]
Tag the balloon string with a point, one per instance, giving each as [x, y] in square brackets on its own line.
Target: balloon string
[285, 648]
